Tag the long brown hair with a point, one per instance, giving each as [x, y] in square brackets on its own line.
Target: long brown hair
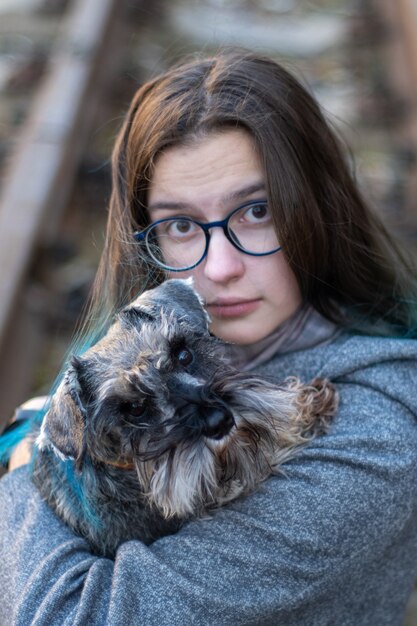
[346, 263]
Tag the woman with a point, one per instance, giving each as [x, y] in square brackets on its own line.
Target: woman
[235, 142]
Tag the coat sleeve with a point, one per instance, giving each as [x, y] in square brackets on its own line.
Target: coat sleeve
[335, 536]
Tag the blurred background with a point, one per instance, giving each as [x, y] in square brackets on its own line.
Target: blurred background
[68, 69]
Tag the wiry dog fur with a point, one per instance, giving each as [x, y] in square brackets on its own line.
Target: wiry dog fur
[152, 427]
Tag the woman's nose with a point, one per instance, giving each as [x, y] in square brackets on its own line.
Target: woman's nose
[223, 262]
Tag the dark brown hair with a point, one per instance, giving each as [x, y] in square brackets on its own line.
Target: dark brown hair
[346, 263]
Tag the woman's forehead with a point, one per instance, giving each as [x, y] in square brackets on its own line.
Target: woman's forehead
[222, 166]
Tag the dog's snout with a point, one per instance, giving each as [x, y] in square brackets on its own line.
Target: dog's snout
[202, 410]
[183, 391]
[217, 422]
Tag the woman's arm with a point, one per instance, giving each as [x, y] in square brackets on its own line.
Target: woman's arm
[20, 455]
[334, 540]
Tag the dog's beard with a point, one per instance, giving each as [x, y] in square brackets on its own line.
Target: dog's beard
[183, 481]
[196, 473]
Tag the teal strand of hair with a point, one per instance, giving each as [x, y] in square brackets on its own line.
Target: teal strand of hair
[10, 440]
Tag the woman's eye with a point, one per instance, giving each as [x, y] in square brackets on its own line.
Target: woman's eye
[132, 409]
[257, 213]
[184, 356]
[181, 228]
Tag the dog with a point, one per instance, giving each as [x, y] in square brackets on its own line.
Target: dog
[152, 426]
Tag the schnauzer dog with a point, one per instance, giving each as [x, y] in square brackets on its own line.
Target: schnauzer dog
[152, 427]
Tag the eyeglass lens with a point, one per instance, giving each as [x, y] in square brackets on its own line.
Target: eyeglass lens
[180, 243]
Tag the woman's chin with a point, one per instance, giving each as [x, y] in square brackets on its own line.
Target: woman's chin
[240, 332]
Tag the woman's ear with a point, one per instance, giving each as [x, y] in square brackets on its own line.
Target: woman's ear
[63, 426]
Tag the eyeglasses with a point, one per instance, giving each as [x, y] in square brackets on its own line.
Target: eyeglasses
[181, 243]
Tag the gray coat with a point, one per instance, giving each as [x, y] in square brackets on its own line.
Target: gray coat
[334, 541]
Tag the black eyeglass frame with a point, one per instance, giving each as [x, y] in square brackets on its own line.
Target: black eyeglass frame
[141, 236]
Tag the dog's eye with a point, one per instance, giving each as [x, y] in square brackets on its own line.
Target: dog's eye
[134, 409]
[184, 356]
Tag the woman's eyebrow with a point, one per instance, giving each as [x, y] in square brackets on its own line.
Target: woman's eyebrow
[175, 206]
[234, 196]
[242, 193]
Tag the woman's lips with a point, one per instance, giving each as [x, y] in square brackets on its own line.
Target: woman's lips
[232, 308]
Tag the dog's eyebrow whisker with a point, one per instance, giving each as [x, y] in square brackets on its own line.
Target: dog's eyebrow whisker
[140, 426]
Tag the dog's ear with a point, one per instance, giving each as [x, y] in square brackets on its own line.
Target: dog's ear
[135, 315]
[173, 295]
[63, 425]
[184, 295]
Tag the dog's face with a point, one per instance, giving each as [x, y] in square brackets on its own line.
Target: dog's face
[147, 387]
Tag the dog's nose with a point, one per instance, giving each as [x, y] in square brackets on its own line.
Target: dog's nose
[217, 422]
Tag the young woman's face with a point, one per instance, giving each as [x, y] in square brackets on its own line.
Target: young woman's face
[247, 297]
